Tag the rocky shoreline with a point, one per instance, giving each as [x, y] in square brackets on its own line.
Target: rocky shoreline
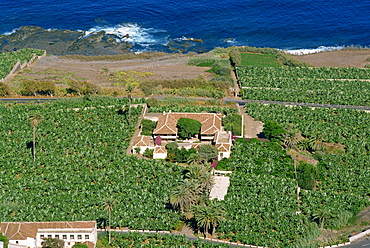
[63, 42]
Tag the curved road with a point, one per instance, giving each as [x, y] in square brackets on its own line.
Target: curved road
[361, 243]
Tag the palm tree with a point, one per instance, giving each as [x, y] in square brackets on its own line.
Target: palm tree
[195, 171]
[34, 122]
[184, 195]
[193, 158]
[315, 142]
[220, 97]
[129, 89]
[209, 216]
[218, 214]
[202, 176]
[203, 217]
[292, 137]
[206, 182]
[108, 205]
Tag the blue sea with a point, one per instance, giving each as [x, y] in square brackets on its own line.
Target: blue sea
[299, 26]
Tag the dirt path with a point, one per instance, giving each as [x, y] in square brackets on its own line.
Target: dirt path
[252, 128]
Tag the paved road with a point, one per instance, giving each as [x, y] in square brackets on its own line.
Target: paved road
[361, 243]
[317, 105]
[238, 101]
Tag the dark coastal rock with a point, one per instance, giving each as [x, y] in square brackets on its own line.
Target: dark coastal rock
[63, 42]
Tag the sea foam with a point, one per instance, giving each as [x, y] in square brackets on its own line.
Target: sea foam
[132, 33]
[311, 51]
[11, 32]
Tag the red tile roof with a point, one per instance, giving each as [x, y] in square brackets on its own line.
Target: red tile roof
[142, 140]
[160, 149]
[22, 230]
[211, 123]
[223, 147]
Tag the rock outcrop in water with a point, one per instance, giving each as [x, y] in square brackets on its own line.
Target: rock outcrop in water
[63, 42]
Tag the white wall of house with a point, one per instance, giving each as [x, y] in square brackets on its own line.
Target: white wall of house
[222, 155]
[24, 243]
[69, 236]
[159, 155]
[142, 149]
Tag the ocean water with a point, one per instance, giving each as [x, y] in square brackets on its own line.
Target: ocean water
[299, 26]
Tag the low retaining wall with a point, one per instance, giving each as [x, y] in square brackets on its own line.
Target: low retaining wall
[360, 235]
[232, 243]
[351, 239]
[129, 230]
[338, 245]
[18, 66]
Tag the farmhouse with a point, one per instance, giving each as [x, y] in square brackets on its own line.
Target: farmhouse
[31, 234]
[167, 125]
[166, 131]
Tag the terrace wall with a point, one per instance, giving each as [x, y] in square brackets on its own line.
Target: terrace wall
[18, 67]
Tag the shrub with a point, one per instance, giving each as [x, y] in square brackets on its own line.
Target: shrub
[79, 245]
[182, 155]
[4, 239]
[152, 102]
[306, 175]
[187, 128]
[235, 57]
[34, 88]
[201, 61]
[148, 153]
[233, 123]
[171, 146]
[147, 127]
[82, 88]
[4, 89]
[207, 153]
[273, 131]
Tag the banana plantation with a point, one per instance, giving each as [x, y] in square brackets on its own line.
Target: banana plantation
[325, 85]
[73, 165]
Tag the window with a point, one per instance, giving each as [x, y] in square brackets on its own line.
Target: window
[79, 236]
[64, 236]
[57, 236]
[87, 237]
[72, 236]
[49, 236]
[42, 236]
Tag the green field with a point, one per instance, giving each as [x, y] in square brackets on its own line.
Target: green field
[255, 59]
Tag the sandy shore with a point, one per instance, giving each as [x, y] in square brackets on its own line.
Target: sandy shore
[340, 58]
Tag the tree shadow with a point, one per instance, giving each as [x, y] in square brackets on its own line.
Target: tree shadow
[29, 145]
[101, 223]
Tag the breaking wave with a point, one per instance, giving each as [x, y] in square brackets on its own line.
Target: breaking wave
[132, 33]
[315, 50]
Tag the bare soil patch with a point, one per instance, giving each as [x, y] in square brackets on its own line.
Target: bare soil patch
[340, 58]
[168, 67]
